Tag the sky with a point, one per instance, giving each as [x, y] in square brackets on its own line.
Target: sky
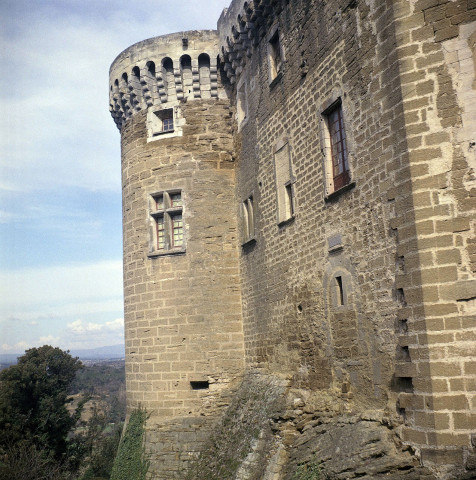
[60, 190]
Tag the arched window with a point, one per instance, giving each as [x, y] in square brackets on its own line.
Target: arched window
[204, 74]
[151, 68]
[136, 88]
[168, 77]
[187, 76]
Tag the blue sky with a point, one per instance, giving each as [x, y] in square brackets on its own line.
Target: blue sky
[60, 192]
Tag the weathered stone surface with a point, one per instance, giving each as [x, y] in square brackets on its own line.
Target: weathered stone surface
[360, 298]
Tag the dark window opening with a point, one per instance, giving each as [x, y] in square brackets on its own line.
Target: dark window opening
[248, 220]
[403, 326]
[275, 56]
[340, 291]
[151, 68]
[403, 354]
[199, 384]
[289, 199]
[339, 161]
[166, 119]
[404, 384]
[168, 64]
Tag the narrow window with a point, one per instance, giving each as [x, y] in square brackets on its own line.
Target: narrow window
[204, 73]
[340, 170]
[241, 103]
[177, 230]
[187, 76]
[289, 199]
[176, 199]
[284, 185]
[339, 291]
[160, 233]
[168, 78]
[166, 214]
[136, 92]
[248, 220]
[275, 56]
[337, 164]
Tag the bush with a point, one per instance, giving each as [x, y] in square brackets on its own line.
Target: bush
[24, 461]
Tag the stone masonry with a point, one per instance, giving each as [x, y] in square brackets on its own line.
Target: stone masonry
[247, 252]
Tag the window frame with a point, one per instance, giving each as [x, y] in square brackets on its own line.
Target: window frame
[241, 103]
[164, 117]
[248, 218]
[163, 214]
[284, 181]
[335, 157]
[275, 52]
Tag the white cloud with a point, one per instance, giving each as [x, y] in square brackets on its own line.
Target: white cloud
[81, 334]
[78, 334]
[81, 328]
[18, 347]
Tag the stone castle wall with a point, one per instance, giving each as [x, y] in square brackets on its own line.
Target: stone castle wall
[359, 299]
[184, 340]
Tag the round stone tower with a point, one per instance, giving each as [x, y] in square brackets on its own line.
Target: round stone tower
[183, 323]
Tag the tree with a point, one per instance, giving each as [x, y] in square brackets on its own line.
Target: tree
[33, 397]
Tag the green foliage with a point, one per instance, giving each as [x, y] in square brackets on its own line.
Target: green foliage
[33, 397]
[130, 462]
[102, 458]
[24, 461]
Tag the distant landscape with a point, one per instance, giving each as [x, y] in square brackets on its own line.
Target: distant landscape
[92, 407]
[87, 356]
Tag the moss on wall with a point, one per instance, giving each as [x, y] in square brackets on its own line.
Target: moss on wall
[130, 462]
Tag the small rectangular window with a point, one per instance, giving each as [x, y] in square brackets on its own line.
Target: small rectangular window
[335, 149]
[166, 214]
[241, 103]
[160, 232]
[289, 207]
[200, 385]
[284, 185]
[275, 55]
[175, 199]
[159, 202]
[168, 124]
[177, 228]
[339, 291]
[248, 220]
[163, 121]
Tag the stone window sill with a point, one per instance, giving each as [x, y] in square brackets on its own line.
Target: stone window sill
[249, 241]
[288, 221]
[163, 132]
[166, 253]
[276, 79]
[337, 193]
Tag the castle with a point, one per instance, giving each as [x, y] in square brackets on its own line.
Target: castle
[299, 249]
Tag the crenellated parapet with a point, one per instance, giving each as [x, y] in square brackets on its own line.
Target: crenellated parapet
[162, 72]
[241, 27]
